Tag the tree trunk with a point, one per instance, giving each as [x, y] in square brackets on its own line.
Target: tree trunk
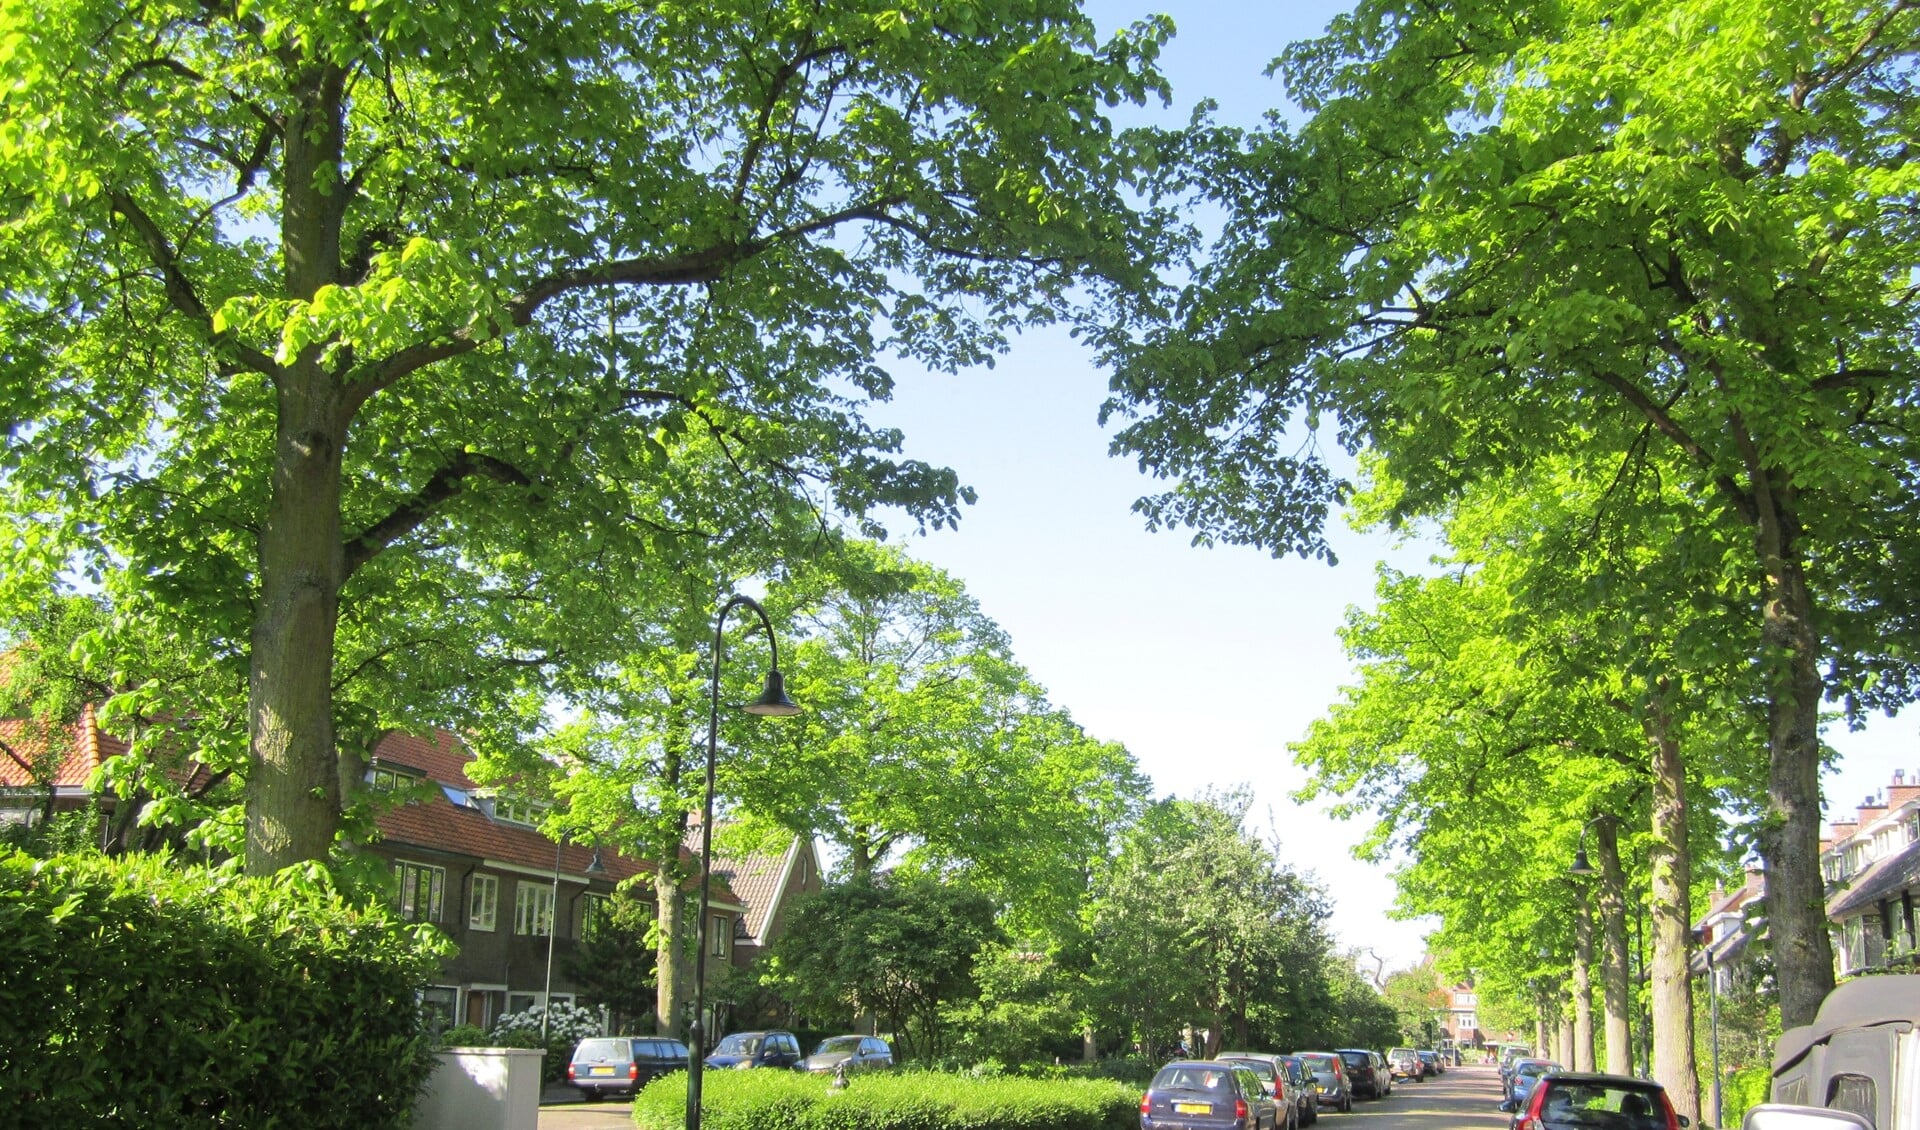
[1614, 990]
[1563, 1040]
[1582, 984]
[670, 991]
[293, 786]
[1671, 867]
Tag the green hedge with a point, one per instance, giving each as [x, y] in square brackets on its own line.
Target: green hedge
[140, 992]
[908, 1100]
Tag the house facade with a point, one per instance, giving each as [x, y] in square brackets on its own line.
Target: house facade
[1871, 864]
[469, 860]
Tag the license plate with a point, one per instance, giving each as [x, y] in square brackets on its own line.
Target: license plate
[600, 1071]
[1193, 1108]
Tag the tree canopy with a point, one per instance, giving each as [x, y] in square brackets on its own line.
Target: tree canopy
[403, 350]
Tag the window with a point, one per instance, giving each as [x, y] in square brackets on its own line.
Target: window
[599, 913]
[382, 779]
[436, 1006]
[1853, 1093]
[1465, 1020]
[518, 810]
[1466, 1000]
[533, 909]
[719, 934]
[421, 889]
[483, 902]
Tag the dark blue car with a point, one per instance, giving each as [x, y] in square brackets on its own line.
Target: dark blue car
[1203, 1095]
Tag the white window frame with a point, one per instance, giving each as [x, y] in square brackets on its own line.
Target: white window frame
[518, 810]
[532, 909]
[594, 913]
[408, 872]
[483, 903]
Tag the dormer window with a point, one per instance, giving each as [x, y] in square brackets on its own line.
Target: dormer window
[386, 779]
[519, 810]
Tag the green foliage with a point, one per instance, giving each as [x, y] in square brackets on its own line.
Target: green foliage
[1746, 1087]
[142, 992]
[1197, 922]
[1028, 1011]
[465, 1036]
[614, 964]
[413, 314]
[767, 1100]
[903, 949]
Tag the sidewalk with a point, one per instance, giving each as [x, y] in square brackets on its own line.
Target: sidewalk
[563, 1108]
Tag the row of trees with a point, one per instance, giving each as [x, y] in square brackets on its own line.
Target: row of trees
[1620, 302]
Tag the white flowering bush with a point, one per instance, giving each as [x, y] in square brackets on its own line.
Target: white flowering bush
[569, 1025]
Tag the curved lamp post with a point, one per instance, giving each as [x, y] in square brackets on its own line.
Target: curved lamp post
[1581, 865]
[773, 702]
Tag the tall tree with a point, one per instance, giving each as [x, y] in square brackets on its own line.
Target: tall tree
[1515, 230]
[374, 337]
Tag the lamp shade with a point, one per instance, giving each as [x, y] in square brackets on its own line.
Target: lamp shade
[1580, 864]
[773, 700]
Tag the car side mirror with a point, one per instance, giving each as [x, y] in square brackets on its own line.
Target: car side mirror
[1779, 1116]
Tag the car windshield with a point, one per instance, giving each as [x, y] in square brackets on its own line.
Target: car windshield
[1570, 1105]
[838, 1044]
[1191, 1077]
[740, 1043]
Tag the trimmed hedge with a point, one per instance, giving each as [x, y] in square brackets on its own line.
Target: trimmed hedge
[140, 992]
[910, 1100]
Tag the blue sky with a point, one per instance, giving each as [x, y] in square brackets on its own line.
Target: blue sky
[1204, 662]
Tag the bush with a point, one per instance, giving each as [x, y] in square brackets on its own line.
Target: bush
[915, 1100]
[569, 1026]
[465, 1036]
[142, 992]
[1744, 1088]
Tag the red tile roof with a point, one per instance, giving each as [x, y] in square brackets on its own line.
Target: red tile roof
[85, 748]
[439, 824]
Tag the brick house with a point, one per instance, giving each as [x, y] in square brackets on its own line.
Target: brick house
[469, 860]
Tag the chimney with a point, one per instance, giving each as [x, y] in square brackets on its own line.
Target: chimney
[1904, 789]
[1842, 831]
[1872, 809]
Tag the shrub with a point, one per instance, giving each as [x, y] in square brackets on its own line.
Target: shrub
[141, 992]
[917, 1100]
[570, 1025]
[465, 1036]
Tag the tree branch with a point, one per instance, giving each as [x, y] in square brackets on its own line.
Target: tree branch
[447, 482]
[180, 292]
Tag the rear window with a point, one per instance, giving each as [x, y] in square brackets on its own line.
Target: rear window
[1317, 1062]
[1192, 1077]
[1357, 1059]
[1605, 1106]
[1258, 1066]
[603, 1049]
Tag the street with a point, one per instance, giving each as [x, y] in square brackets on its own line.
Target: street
[1464, 1097]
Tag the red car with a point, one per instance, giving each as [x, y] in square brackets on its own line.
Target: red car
[1584, 1101]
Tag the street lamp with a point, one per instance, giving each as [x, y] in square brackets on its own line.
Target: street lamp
[773, 702]
[594, 867]
[1581, 866]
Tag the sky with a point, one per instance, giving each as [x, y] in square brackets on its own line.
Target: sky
[1205, 663]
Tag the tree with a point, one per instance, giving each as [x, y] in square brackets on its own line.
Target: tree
[614, 962]
[1416, 997]
[1197, 923]
[397, 348]
[904, 951]
[927, 748]
[1575, 230]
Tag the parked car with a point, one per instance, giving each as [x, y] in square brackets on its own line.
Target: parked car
[1527, 1072]
[1857, 1063]
[1330, 1076]
[1207, 1095]
[1583, 1101]
[775, 1048]
[1439, 1060]
[1272, 1071]
[1404, 1063]
[1366, 1073]
[1429, 1062]
[1303, 1090]
[607, 1065]
[858, 1053]
[1508, 1055]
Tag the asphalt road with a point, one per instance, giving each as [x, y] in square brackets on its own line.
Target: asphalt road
[587, 1116]
[1465, 1098]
